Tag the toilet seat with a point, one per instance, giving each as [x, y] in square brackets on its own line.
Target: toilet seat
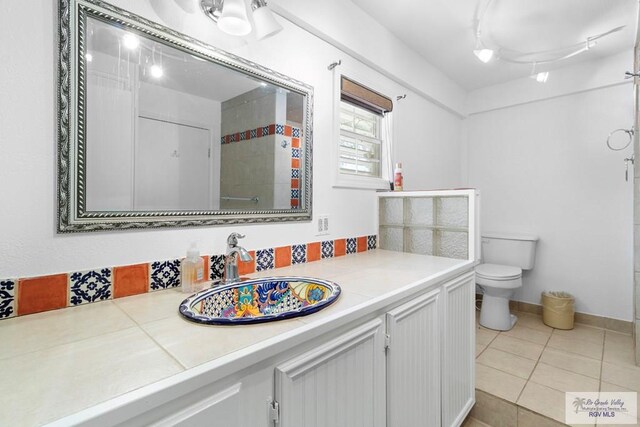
[497, 272]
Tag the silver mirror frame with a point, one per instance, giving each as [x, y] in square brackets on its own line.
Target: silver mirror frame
[72, 215]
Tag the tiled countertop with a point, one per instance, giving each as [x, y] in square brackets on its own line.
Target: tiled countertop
[57, 363]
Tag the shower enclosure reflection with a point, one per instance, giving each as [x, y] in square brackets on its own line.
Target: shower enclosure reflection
[166, 130]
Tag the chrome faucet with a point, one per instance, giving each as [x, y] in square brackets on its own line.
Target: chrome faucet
[231, 260]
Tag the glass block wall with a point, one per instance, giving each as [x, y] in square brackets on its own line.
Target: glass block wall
[427, 225]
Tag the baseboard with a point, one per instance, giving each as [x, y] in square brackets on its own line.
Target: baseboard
[616, 325]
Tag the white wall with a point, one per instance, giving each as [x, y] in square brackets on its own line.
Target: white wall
[29, 244]
[542, 167]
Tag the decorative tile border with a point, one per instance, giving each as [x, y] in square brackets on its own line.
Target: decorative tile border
[8, 298]
[259, 132]
[293, 135]
[90, 286]
[37, 294]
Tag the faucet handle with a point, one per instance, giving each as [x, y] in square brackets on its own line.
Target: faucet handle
[232, 240]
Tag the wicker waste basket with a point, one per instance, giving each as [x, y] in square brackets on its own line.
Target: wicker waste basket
[558, 309]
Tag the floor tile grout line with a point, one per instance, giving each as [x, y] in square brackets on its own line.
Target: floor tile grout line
[604, 343]
[535, 366]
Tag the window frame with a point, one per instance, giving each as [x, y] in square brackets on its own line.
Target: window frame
[347, 180]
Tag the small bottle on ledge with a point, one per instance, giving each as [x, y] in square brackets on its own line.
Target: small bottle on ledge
[397, 177]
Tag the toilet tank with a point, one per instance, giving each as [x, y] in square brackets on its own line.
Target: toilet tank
[517, 250]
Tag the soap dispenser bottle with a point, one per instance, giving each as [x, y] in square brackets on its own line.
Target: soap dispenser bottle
[192, 271]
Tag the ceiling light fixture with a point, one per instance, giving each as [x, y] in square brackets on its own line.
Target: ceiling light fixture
[480, 51]
[541, 77]
[156, 71]
[266, 24]
[231, 17]
[130, 41]
[483, 55]
[538, 57]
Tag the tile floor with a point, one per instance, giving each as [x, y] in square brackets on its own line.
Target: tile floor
[533, 365]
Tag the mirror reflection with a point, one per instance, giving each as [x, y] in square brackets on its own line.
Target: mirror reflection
[169, 131]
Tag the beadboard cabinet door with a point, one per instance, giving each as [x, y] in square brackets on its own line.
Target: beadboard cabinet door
[340, 383]
[413, 363]
[458, 349]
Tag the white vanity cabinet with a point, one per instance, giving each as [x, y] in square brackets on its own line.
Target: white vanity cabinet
[428, 365]
[340, 383]
[409, 362]
[413, 362]
[458, 343]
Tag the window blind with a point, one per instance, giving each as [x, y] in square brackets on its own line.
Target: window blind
[360, 95]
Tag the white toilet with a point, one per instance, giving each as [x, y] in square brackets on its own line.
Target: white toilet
[504, 256]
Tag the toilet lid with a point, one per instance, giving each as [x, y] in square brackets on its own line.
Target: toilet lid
[498, 272]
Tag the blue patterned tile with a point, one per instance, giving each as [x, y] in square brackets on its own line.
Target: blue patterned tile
[164, 274]
[253, 133]
[242, 136]
[295, 173]
[232, 137]
[279, 130]
[216, 269]
[327, 249]
[298, 254]
[352, 245]
[8, 298]
[295, 193]
[222, 140]
[371, 242]
[295, 132]
[264, 259]
[265, 130]
[295, 153]
[90, 286]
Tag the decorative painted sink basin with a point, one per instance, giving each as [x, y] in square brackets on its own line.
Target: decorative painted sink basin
[260, 300]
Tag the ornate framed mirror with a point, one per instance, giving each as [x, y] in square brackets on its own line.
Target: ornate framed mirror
[157, 129]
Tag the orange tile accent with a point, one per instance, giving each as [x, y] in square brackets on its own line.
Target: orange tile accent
[247, 134]
[339, 247]
[259, 132]
[295, 183]
[205, 259]
[283, 256]
[295, 142]
[237, 136]
[42, 293]
[287, 130]
[130, 280]
[249, 266]
[295, 202]
[362, 244]
[313, 251]
[272, 129]
[295, 163]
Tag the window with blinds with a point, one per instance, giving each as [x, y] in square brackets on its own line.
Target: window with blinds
[360, 141]
[361, 138]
